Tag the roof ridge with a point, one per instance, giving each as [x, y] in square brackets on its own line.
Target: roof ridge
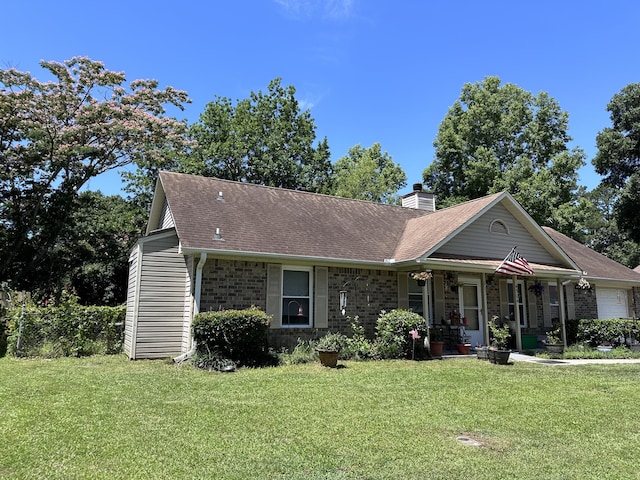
[283, 189]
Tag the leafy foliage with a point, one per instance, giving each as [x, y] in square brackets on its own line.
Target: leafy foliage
[332, 341]
[618, 156]
[500, 137]
[499, 333]
[263, 139]
[55, 136]
[65, 329]
[393, 339]
[595, 332]
[368, 174]
[237, 335]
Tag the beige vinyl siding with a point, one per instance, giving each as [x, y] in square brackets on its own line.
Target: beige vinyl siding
[163, 299]
[166, 218]
[131, 302]
[477, 241]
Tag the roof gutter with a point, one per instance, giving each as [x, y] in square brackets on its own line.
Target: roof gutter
[281, 257]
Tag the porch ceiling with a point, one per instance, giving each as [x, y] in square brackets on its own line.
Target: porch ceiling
[489, 266]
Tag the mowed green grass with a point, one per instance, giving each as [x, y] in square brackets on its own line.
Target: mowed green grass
[109, 418]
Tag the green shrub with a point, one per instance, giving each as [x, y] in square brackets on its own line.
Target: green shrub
[237, 335]
[393, 337]
[304, 352]
[65, 330]
[614, 331]
[335, 342]
[358, 345]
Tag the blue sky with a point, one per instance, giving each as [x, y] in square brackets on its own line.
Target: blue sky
[369, 70]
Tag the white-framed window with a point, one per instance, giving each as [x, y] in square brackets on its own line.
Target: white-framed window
[416, 298]
[517, 301]
[554, 300]
[297, 300]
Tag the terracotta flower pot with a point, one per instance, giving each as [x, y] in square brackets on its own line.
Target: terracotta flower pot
[328, 358]
[463, 348]
[436, 348]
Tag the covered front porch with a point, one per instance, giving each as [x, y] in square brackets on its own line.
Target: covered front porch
[460, 297]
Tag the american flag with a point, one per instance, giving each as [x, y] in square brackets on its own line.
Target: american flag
[515, 264]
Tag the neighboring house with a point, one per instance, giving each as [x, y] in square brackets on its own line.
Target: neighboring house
[314, 262]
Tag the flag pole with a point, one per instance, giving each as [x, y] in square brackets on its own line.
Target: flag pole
[516, 310]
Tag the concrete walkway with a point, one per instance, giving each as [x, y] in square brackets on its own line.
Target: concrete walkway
[519, 357]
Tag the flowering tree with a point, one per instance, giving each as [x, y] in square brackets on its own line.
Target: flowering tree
[57, 135]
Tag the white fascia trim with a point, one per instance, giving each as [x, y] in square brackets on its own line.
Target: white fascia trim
[283, 258]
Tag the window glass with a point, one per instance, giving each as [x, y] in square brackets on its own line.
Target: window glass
[296, 301]
[553, 295]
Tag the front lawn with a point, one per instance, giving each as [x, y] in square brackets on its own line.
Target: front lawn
[109, 418]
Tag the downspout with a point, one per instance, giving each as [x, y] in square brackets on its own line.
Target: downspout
[196, 305]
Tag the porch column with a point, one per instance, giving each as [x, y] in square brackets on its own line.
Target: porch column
[516, 309]
[485, 317]
[561, 292]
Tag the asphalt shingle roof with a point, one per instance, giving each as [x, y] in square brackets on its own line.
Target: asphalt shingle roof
[595, 264]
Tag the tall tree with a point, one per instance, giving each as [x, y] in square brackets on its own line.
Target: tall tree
[91, 255]
[603, 234]
[263, 139]
[368, 174]
[500, 137]
[618, 156]
[56, 135]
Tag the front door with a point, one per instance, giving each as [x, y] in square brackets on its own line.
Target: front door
[471, 309]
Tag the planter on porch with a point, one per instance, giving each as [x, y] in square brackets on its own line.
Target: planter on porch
[463, 348]
[436, 348]
[499, 357]
[483, 353]
[554, 348]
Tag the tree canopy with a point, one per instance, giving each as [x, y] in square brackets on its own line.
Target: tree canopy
[57, 135]
[500, 137]
[618, 156]
[263, 139]
[368, 174]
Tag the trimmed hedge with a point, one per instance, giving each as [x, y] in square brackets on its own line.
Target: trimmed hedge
[598, 331]
[70, 330]
[239, 336]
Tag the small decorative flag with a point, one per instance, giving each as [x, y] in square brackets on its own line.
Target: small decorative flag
[515, 264]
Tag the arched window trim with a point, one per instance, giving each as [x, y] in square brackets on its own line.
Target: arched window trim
[502, 225]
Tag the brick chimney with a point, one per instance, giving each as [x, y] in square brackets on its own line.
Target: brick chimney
[419, 199]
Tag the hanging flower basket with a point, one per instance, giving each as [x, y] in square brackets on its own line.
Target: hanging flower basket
[420, 277]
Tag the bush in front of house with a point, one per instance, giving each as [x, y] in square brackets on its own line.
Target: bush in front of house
[237, 336]
[393, 338]
[65, 330]
[594, 332]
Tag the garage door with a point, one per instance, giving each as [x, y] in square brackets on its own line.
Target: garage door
[612, 303]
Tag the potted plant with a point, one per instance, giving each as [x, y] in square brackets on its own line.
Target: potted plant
[483, 352]
[498, 352]
[436, 345]
[421, 277]
[554, 343]
[328, 348]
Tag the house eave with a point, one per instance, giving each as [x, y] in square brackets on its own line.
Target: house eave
[283, 257]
